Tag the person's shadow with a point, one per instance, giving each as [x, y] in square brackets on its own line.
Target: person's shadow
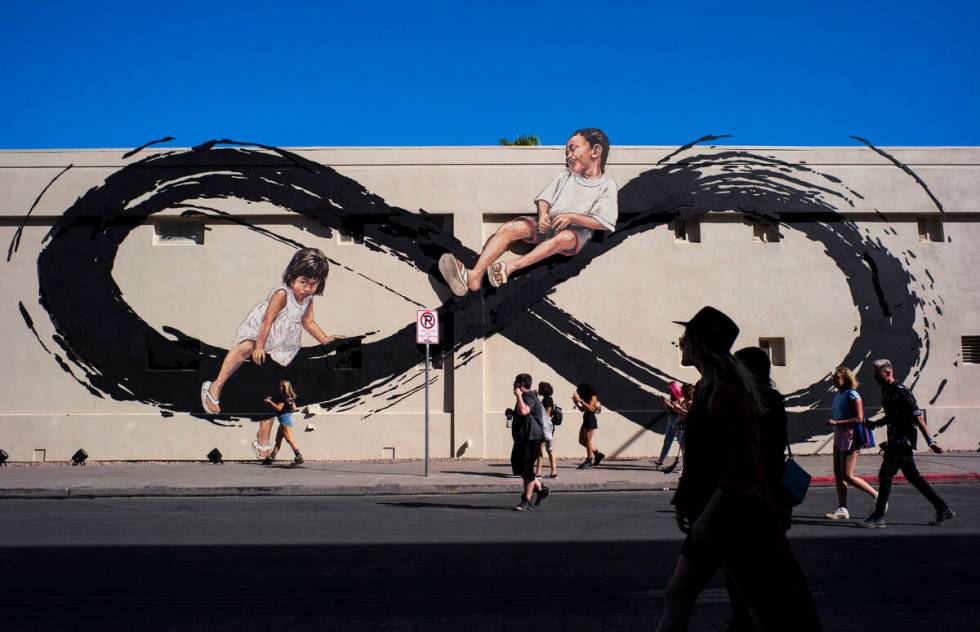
[423, 505]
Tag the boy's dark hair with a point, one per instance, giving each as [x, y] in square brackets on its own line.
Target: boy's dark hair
[757, 361]
[545, 390]
[524, 380]
[309, 263]
[586, 391]
[595, 136]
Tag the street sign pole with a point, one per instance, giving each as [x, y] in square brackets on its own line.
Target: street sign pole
[426, 409]
[426, 333]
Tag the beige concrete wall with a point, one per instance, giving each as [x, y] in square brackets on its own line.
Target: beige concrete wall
[630, 295]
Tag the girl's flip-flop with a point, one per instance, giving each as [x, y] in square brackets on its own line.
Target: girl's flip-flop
[206, 399]
[497, 274]
[454, 273]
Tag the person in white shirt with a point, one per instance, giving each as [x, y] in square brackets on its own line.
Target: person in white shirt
[577, 202]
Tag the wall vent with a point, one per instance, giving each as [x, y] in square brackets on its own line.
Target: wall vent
[971, 349]
[776, 348]
[687, 230]
[930, 228]
[170, 231]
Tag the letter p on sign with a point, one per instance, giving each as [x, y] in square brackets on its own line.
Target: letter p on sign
[427, 327]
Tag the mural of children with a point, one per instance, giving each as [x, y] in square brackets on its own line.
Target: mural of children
[274, 327]
[586, 399]
[577, 202]
[285, 405]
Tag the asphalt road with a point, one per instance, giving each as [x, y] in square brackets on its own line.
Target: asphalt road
[581, 561]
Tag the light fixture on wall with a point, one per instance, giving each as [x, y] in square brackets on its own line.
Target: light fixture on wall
[215, 456]
[79, 457]
[3, 456]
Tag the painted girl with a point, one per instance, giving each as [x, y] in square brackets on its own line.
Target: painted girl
[274, 327]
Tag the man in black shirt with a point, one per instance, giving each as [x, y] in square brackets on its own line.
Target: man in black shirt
[903, 417]
[528, 434]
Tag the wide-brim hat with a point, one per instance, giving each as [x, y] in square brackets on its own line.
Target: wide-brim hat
[713, 327]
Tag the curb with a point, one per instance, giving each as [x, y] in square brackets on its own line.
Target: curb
[394, 490]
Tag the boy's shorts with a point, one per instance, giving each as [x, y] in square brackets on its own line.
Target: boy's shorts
[286, 420]
[582, 235]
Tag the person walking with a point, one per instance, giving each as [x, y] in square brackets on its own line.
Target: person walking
[902, 417]
[847, 420]
[677, 407]
[722, 501]
[773, 429]
[284, 404]
[527, 431]
[586, 399]
[545, 391]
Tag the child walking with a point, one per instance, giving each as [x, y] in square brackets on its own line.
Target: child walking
[586, 399]
[285, 405]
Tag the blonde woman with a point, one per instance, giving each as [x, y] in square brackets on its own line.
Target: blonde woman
[285, 405]
[847, 413]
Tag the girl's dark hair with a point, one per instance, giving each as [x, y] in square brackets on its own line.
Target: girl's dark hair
[595, 136]
[586, 392]
[545, 390]
[309, 263]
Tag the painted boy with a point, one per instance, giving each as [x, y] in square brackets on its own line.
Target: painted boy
[576, 203]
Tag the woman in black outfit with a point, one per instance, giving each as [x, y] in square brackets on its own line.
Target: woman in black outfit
[723, 502]
[586, 399]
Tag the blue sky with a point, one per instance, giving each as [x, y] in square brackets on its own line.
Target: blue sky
[117, 74]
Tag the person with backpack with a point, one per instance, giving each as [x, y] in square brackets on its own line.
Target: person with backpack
[903, 417]
[552, 418]
[527, 431]
[850, 435]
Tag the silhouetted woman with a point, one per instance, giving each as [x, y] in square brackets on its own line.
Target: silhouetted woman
[722, 501]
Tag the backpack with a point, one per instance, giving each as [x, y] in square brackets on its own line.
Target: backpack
[556, 415]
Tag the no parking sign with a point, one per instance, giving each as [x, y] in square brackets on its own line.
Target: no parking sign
[427, 327]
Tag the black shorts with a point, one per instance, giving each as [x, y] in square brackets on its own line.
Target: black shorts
[523, 456]
[589, 421]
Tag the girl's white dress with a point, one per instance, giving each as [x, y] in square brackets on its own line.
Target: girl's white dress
[286, 333]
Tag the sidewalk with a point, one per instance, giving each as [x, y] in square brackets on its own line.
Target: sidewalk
[347, 478]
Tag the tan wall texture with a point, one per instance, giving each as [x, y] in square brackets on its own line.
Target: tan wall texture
[789, 289]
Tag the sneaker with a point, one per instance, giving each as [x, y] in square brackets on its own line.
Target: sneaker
[838, 514]
[542, 494]
[945, 515]
[298, 459]
[524, 505]
[585, 465]
[598, 458]
[872, 523]
[259, 448]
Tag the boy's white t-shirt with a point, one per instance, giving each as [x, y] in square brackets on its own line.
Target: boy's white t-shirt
[569, 192]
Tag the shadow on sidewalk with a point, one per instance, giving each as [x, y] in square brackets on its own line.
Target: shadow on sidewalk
[484, 474]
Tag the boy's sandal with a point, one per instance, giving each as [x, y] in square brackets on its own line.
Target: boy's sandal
[207, 401]
[454, 273]
[497, 274]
